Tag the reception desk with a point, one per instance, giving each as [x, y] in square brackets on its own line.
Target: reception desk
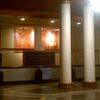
[11, 74]
[25, 74]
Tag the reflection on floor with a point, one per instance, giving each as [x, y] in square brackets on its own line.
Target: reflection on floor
[48, 92]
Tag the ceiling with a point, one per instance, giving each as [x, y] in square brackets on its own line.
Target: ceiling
[45, 6]
[38, 12]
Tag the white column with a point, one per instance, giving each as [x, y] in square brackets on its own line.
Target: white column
[89, 50]
[38, 37]
[66, 43]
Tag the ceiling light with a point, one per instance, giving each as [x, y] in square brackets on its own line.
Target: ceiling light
[22, 19]
[78, 23]
[52, 21]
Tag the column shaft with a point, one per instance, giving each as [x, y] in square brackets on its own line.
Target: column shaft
[65, 43]
[89, 56]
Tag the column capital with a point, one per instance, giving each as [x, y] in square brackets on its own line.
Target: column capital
[66, 1]
[88, 3]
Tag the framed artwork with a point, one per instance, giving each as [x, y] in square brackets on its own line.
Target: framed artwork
[50, 38]
[24, 38]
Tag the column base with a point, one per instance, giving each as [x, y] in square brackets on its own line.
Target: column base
[65, 86]
[90, 84]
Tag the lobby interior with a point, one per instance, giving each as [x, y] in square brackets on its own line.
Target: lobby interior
[25, 29]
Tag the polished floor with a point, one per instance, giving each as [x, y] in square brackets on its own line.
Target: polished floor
[49, 92]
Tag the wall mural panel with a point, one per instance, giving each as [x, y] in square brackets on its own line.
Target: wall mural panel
[24, 38]
[50, 38]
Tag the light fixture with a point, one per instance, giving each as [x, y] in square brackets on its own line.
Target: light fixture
[22, 19]
[78, 23]
[52, 21]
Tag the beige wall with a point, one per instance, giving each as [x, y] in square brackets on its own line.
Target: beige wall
[9, 58]
[7, 41]
[7, 36]
[77, 46]
[77, 38]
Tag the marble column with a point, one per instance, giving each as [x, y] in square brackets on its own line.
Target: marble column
[65, 37]
[89, 49]
[38, 37]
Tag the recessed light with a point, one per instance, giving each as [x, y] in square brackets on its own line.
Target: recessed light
[22, 19]
[52, 21]
[78, 23]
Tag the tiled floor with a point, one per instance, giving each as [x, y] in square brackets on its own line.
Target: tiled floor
[48, 92]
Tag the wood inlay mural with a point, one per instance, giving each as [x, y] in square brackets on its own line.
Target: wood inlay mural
[24, 37]
[50, 38]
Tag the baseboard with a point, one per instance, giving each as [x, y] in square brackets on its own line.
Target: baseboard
[28, 82]
[39, 81]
